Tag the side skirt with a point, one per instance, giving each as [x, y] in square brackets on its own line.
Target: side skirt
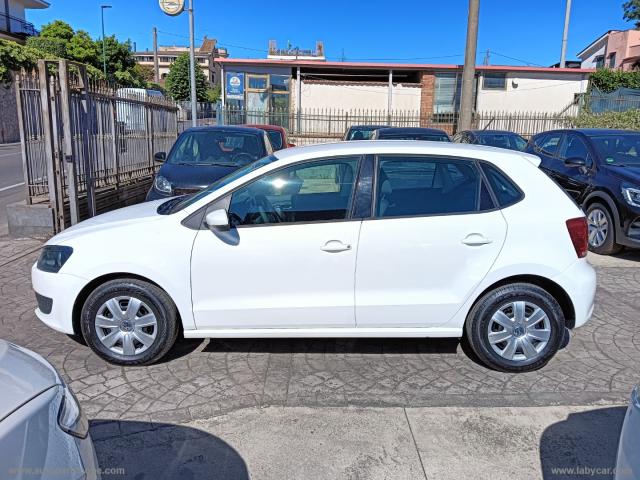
[325, 333]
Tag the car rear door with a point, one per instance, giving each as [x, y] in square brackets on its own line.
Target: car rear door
[433, 237]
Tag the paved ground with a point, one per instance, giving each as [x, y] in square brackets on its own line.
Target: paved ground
[11, 181]
[215, 393]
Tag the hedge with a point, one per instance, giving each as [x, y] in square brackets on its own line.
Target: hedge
[629, 120]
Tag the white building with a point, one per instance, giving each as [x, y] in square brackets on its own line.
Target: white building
[13, 23]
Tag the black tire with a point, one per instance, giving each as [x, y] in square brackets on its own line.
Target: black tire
[155, 298]
[609, 247]
[477, 326]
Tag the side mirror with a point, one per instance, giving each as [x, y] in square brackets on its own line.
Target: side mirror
[291, 145]
[217, 220]
[160, 156]
[575, 162]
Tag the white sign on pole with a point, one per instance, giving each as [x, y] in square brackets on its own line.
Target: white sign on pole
[172, 7]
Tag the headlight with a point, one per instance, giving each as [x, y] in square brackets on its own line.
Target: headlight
[53, 257]
[162, 184]
[71, 417]
[631, 195]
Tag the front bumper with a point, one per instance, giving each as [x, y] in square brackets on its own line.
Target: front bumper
[62, 289]
[579, 281]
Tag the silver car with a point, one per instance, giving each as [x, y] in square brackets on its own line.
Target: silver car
[628, 465]
[43, 432]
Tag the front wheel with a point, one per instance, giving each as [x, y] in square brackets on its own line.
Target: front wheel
[602, 237]
[129, 322]
[516, 328]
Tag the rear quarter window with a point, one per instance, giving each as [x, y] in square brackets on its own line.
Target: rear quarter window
[504, 189]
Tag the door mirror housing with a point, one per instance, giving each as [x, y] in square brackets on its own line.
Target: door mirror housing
[218, 220]
[575, 162]
[291, 145]
[160, 156]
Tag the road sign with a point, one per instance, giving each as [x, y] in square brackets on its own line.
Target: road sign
[172, 7]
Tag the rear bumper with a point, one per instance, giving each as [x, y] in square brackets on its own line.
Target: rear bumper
[579, 281]
[62, 289]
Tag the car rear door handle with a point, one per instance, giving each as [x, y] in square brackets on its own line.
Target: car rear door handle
[476, 240]
[335, 246]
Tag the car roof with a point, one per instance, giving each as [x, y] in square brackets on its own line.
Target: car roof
[276, 128]
[492, 132]
[590, 131]
[368, 126]
[409, 147]
[410, 130]
[224, 128]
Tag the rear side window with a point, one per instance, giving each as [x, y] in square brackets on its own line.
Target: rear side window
[548, 144]
[418, 186]
[505, 191]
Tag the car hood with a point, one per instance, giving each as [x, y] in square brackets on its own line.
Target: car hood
[627, 174]
[143, 212]
[23, 376]
[194, 176]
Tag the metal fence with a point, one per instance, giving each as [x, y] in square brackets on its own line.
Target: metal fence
[206, 114]
[526, 124]
[85, 147]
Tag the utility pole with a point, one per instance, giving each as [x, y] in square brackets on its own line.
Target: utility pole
[565, 35]
[192, 61]
[156, 65]
[469, 70]
[104, 42]
[487, 58]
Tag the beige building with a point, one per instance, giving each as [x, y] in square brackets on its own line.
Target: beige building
[205, 56]
[13, 23]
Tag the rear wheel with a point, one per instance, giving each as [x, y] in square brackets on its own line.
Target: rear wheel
[516, 328]
[129, 322]
[602, 237]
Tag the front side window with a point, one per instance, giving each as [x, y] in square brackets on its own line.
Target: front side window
[574, 147]
[548, 144]
[309, 192]
[494, 81]
[415, 186]
[217, 147]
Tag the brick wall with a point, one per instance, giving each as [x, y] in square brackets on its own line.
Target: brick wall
[427, 82]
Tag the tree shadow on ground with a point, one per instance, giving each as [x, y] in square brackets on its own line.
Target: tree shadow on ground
[129, 450]
[585, 441]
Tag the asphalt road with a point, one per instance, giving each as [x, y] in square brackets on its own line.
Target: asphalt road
[11, 181]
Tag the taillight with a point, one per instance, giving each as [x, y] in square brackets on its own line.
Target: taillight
[579, 233]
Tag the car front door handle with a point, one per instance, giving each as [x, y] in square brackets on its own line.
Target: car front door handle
[476, 240]
[335, 246]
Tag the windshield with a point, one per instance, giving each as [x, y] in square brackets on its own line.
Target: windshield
[621, 149]
[275, 137]
[510, 141]
[217, 147]
[179, 203]
[361, 133]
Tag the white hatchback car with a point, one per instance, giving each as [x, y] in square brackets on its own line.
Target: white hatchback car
[354, 239]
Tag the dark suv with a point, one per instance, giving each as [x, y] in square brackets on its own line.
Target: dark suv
[600, 169]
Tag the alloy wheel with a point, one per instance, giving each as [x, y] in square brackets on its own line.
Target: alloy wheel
[598, 228]
[126, 325]
[519, 331]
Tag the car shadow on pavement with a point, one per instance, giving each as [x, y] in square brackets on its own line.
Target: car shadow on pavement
[584, 445]
[147, 450]
[336, 345]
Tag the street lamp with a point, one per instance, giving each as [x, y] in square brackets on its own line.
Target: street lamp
[104, 43]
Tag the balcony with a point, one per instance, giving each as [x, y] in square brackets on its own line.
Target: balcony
[16, 27]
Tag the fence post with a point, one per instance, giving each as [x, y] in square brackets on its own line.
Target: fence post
[148, 110]
[86, 123]
[45, 99]
[69, 159]
[26, 170]
[115, 139]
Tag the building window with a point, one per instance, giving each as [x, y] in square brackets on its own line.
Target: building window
[494, 81]
[446, 95]
[612, 60]
[599, 61]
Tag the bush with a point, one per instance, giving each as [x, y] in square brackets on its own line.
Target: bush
[629, 120]
[53, 46]
[607, 80]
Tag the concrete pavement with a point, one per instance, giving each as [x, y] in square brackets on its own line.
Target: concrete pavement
[12, 187]
[446, 443]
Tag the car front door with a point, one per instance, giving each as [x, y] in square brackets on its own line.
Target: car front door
[288, 260]
[574, 179]
[434, 236]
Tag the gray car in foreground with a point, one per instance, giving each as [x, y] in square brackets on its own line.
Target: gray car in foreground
[628, 465]
[43, 432]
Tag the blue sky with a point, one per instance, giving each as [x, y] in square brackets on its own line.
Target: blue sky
[410, 31]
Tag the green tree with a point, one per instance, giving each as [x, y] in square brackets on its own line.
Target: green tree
[57, 29]
[82, 48]
[51, 45]
[631, 10]
[145, 72]
[177, 82]
[213, 94]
